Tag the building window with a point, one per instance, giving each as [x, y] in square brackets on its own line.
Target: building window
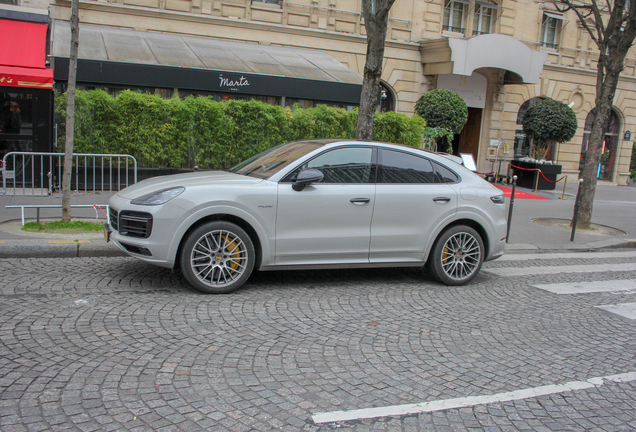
[278, 2]
[454, 13]
[483, 20]
[550, 30]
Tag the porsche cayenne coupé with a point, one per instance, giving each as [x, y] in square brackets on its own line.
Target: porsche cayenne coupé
[314, 204]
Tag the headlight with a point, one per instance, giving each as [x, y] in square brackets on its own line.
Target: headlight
[158, 198]
[497, 199]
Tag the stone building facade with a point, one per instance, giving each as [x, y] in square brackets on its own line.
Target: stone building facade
[500, 55]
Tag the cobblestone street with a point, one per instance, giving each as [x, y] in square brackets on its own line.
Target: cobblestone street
[116, 344]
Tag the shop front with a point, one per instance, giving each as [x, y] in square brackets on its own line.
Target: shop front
[113, 59]
[26, 96]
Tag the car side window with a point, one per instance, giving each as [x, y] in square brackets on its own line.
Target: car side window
[398, 167]
[343, 165]
[444, 175]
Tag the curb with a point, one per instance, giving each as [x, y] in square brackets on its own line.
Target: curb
[20, 248]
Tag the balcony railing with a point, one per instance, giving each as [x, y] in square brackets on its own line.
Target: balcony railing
[477, 32]
[453, 29]
[548, 45]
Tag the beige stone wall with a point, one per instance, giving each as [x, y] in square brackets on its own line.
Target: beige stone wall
[336, 27]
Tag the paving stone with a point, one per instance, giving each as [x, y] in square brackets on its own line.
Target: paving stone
[117, 344]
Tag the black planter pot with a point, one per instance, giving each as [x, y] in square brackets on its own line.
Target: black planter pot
[527, 178]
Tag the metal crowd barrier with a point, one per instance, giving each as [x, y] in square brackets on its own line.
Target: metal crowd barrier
[33, 180]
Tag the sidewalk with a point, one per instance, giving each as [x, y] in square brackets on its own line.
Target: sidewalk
[15, 243]
[614, 206]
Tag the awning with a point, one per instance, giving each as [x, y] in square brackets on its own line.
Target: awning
[23, 55]
[135, 58]
[555, 16]
[488, 5]
[26, 77]
[464, 56]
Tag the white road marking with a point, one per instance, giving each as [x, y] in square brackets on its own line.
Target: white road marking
[589, 287]
[565, 255]
[441, 405]
[539, 270]
[626, 310]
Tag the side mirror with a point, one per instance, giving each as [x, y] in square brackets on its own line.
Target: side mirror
[305, 177]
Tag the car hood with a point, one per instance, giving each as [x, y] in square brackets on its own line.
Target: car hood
[186, 180]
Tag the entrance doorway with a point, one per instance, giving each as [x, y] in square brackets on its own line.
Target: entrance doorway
[610, 144]
[467, 141]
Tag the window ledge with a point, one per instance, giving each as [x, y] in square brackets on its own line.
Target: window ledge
[452, 34]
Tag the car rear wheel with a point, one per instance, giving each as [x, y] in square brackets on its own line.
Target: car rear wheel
[217, 257]
[457, 255]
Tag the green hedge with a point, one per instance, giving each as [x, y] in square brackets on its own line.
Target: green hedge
[179, 133]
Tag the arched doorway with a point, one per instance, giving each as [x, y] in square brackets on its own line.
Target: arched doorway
[523, 142]
[610, 144]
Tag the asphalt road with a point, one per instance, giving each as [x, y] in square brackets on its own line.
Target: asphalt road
[540, 342]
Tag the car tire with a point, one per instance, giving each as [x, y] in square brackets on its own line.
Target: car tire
[456, 256]
[217, 257]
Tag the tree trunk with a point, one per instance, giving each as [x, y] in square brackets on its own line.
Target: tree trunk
[376, 16]
[70, 113]
[606, 88]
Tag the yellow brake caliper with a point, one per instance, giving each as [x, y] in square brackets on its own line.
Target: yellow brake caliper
[445, 256]
[236, 256]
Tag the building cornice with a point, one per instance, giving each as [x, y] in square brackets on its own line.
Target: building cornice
[584, 72]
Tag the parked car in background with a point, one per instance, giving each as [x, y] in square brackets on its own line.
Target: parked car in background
[314, 204]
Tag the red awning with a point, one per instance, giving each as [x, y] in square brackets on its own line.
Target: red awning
[26, 77]
[23, 55]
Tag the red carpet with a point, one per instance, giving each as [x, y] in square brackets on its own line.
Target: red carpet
[519, 194]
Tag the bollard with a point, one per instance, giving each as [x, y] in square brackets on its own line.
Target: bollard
[512, 203]
[496, 175]
[564, 185]
[536, 180]
[576, 210]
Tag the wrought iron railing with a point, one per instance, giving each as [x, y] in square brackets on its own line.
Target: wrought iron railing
[548, 45]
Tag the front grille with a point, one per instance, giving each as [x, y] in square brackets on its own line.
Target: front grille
[114, 216]
[135, 224]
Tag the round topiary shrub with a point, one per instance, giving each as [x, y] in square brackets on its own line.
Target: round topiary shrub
[442, 108]
[548, 122]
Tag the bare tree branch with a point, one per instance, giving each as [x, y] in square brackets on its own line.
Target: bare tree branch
[613, 30]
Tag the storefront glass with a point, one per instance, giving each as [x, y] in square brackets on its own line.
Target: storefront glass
[16, 121]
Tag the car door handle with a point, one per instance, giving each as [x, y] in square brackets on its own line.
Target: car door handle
[441, 199]
[360, 201]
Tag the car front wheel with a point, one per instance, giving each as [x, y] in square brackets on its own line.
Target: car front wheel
[217, 257]
[457, 256]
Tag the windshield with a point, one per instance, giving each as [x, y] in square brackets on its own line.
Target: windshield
[268, 163]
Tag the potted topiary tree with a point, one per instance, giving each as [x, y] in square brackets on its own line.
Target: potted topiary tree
[445, 113]
[547, 123]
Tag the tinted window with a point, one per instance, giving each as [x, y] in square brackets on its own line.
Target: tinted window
[398, 167]
[444, 175]
[344, 165]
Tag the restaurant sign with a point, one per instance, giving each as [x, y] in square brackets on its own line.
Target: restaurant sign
[233, 83]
